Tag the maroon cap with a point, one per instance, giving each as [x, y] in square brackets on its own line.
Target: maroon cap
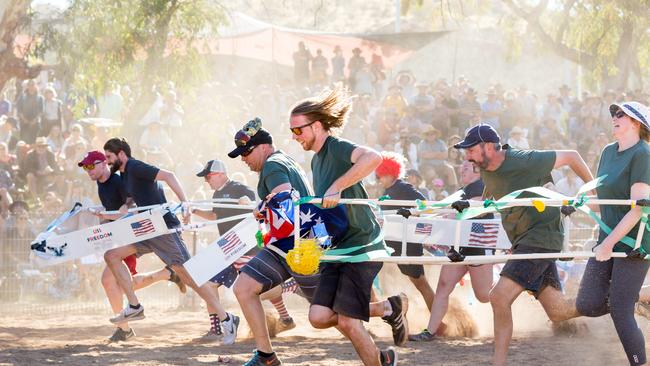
[92, 157]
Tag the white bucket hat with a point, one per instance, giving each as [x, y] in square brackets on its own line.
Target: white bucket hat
[635, 110]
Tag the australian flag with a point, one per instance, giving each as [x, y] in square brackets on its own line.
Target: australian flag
[314, 221]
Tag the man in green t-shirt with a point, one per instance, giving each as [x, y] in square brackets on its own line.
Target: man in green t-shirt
[504, 170]
[277, 172]
[342, 298]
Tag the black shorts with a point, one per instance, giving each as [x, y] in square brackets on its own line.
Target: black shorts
[228, 276]
[345, 288]
[270, 270]
[412, 250]
[533, 274]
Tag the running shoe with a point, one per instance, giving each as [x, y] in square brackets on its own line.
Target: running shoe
[284, 324]
[121, 335]
[424, 336]
[643, 309]
[173, 277]
[388, 357]
[209, 337]
[128, 314]
[397, 320]
[258, 360]
[229, 329]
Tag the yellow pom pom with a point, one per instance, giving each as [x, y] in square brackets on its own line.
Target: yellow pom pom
[304, 258]
[539, 205]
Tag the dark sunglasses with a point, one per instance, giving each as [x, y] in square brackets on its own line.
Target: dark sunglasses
[298, 130]
[618, 114]
[248, 152]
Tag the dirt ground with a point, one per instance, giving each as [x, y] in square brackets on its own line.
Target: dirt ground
[165, 338]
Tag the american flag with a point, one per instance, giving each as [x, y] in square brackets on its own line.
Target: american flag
[229, 242]
[142, 227]
[484, 235]
[422, 228]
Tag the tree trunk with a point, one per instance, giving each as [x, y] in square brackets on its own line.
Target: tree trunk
[624, 62]
[11, 66]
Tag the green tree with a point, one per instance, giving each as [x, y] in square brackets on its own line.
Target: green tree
[14, 20]
[143, 43]
[610, 39]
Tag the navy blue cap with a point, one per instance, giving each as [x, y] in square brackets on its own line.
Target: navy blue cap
[477, 134]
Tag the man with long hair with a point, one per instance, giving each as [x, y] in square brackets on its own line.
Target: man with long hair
[342, 299]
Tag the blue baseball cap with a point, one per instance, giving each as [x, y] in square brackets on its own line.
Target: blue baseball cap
[477, 134]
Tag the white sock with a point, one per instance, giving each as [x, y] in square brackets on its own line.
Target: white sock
[388, 308]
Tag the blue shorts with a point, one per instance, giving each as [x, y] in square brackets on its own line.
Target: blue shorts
[533, 274]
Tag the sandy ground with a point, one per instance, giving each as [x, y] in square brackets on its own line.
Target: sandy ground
[164, 338]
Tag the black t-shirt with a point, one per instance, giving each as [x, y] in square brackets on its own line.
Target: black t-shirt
[140, 181]
[234, 190]
[402, 190]
[112, 193]
[475, 189]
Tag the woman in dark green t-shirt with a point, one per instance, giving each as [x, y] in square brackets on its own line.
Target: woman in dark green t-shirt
[611, 285]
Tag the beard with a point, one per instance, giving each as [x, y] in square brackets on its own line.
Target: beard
[115, 166]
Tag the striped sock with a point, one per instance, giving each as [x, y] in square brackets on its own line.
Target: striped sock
[279, 306]
[289, 286]
[215, 324]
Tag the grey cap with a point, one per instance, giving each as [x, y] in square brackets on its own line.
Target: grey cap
[213, 166]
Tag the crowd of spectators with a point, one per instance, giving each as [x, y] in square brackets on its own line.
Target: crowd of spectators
[46, 127]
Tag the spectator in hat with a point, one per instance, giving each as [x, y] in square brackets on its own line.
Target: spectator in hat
[40, 168]
[338, 65]
[395, 100]
[432, 158]
[423, 102]
[30, 110]
[301, 59]
[518, 138]
[52, 111]
[469, 108]
[354, 64]
[491, 109]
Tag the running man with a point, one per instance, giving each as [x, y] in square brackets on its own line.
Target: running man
[142, 184]
[480, 274]
[342, 299]
[268, 269]
[504, 170]
[216, 175]
[113, 197]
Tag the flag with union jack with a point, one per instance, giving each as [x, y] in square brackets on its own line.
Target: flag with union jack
[229, 243]
[142, 227]
[422, 228]
[484, 235]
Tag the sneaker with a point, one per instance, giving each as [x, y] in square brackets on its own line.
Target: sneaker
[424, 336]
[643, 309]
[258, 360]
[284, 325]
[128, 314]
[173, 277]
[209, 337]
[388, 357]
[229, 329]
[121, 335]
[397, 320]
